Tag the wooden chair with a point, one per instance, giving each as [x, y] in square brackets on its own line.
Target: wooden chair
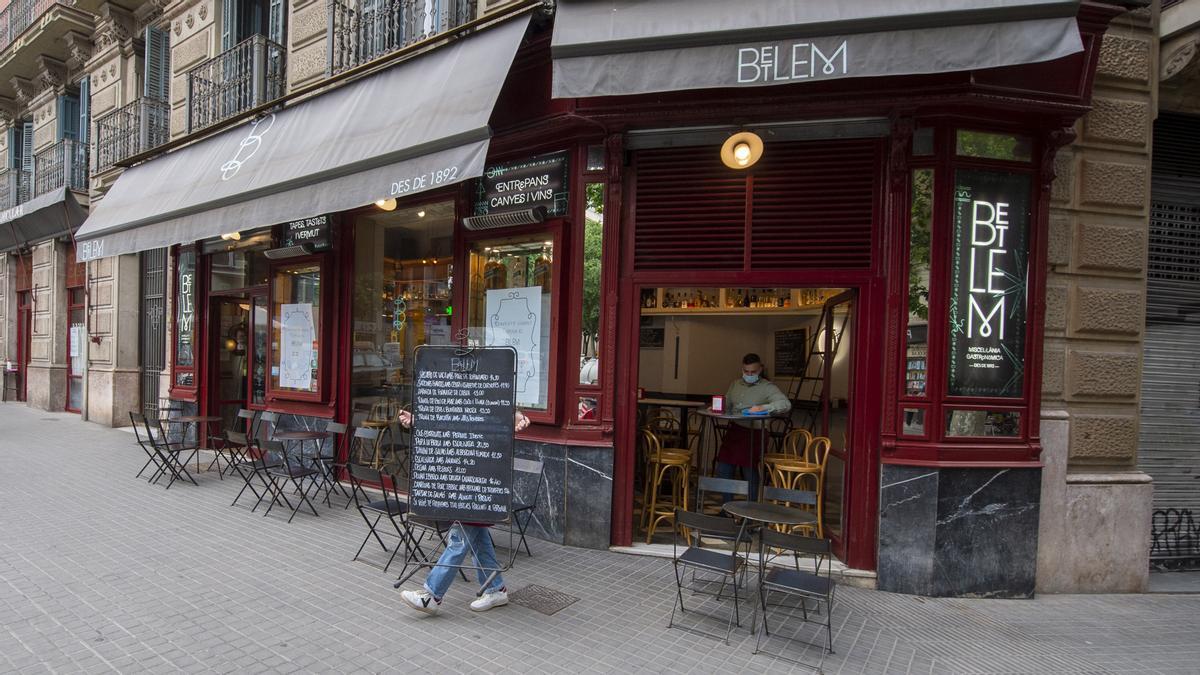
[666, 428]
[663, 465]
[792, 450]
[797, 475]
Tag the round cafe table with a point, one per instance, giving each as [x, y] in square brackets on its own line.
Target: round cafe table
[196, 421]
[766, 513]
[759, 421]
[301, 437]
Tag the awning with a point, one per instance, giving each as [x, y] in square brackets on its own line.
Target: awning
[47, 216]
[419, 125]
[613, 47]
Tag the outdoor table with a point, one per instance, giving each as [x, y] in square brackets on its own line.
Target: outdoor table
[758, 420]
[300, 437]
[196, 421]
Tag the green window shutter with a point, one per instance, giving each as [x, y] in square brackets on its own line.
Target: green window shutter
[27, 146]
[157, 81]
[229, 24]
[68, 117]
[85, 109]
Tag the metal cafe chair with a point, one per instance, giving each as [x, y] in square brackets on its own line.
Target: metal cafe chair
[271, 421]
[521, 512]
[139, 420]
[331, 468]
[374, 510]
[169, 453]
[293, 472]
[816, 586]
[254, 465]
[727, 490]
[729, 565]
[802, 499]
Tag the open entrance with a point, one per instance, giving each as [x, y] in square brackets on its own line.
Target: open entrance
[238, 330]
[695, 344]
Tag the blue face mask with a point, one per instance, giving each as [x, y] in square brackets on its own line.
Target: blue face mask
[749, 379]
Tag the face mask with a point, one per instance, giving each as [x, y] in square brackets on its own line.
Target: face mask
[749, 379]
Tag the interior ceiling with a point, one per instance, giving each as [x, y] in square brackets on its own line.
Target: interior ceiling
[409, 234]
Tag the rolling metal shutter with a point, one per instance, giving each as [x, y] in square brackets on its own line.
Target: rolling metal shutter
[1169, 443]
[806, 204]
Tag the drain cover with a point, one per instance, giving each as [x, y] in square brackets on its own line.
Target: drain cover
[545, 600]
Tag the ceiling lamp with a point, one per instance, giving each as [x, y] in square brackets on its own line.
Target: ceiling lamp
[742, 150]
[388, 204]
[234, 236]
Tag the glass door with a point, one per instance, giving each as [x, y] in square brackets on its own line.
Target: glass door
[230, 358]
[836, 340]
[76, 334]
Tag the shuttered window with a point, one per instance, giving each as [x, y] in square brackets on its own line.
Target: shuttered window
[156, 85]
[805, 204]
[68, 117]
[85, 109]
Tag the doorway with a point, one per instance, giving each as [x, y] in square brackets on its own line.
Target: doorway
[24, 323]
[238, 342]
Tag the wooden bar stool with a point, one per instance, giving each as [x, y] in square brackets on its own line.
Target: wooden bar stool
[795, 475]
[663, 465]
[794, 445]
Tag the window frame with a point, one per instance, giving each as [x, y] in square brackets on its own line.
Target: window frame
[324, 322]
[176, 390]
[577, 390]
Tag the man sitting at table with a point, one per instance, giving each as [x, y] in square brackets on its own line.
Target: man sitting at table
[742, 448]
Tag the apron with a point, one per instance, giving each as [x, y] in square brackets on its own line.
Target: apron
[741, 447]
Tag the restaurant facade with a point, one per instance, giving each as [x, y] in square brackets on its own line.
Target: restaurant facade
[866, 193]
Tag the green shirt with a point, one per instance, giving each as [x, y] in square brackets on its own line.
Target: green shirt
[764, 392]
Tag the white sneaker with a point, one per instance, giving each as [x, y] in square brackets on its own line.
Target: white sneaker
[422, 601]
[489, 600]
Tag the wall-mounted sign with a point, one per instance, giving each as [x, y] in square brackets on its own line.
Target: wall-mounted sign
[988, 277]
[185, 309]
[313, 231]
[791, 348]
[540, 181]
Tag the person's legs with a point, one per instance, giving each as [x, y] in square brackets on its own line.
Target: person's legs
[495, 594]
[441, 576]
[751, 474]
[726, 471]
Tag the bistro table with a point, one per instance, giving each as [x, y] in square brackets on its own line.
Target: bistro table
[757, 420]
[197, 420]
[301, 437]
[766, 513]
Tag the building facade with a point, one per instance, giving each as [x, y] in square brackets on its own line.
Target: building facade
[288, 198]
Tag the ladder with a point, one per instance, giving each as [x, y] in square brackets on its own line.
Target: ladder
[810, 392]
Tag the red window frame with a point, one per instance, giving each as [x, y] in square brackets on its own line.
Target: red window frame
[176, 390]
[934, 446]
[577, 390]
[325, 320]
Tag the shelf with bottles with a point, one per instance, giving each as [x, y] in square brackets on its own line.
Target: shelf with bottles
[700, 300]
[916, 367]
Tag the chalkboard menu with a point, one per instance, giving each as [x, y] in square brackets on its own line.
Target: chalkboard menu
[538, 181]
[790, 346]
[462, 434]
[988, 283]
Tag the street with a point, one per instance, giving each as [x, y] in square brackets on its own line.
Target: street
[102, 572]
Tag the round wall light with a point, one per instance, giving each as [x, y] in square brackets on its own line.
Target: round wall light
[388, 204]
[742, 150]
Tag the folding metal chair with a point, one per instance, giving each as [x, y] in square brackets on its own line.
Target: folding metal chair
[390, 507]
[139, 420]
[271, 421]
[816, 586]
[522, 510]
[729, 565]
[293, 472]
[170, 454]
[329, 464]
[254, 465]
[362, 448]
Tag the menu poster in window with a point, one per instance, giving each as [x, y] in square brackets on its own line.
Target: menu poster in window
[989, 272]
[462, 434]
[790, 348]
[514, 319]
[296, 346]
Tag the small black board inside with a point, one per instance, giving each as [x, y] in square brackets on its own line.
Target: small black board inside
[462, 434]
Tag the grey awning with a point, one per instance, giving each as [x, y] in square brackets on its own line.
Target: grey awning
[613, 47]
[419, 125]
[53, 214]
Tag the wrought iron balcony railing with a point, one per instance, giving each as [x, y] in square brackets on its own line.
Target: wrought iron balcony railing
[133, 128]
[20, 14]
[14, 187]
[235, 81]
[64, 164]
[362, 30]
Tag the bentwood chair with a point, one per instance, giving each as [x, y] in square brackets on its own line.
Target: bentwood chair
[727, 565]
[816, 587]
[664, 466]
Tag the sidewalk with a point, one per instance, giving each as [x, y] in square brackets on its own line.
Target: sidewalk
[101, 572]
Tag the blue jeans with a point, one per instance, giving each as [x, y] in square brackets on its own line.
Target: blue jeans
[749, 474]
[461, 540]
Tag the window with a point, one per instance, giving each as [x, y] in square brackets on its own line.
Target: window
[185, 319]
[511, 296]
[593, 279]
[994, 146]
[296, 366]
[402, 296]
[919, 241]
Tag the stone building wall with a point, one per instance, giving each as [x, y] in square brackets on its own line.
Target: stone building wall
[47, 371]
[1095, 515]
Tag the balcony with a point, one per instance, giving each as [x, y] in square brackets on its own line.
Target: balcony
[235, 81]
[363, 30]
[31, 30]
[131, 129]
[64, 164]
[14, 187]
[20, 14]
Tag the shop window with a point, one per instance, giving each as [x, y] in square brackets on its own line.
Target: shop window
[983, 423]
[258, 373]
[913, 422]
[919, 240]
[595, 159]
[988, 278]
[986, 145]
[296, 354]
[511, 296]
[237, 269]
[185, 319]
[922, 142]
[402, 296]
